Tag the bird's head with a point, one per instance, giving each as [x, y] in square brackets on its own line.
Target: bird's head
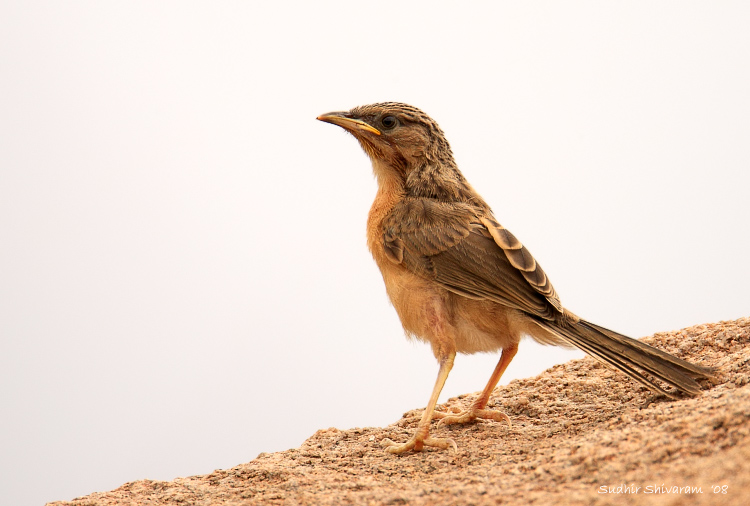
[408, 149]
[397, 135]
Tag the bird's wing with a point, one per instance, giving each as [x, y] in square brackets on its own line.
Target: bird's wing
[468, 253]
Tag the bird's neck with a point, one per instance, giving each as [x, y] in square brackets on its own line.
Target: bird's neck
[440, 181]
[390, 191]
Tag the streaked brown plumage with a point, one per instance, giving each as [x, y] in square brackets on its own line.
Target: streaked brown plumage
[459, 280]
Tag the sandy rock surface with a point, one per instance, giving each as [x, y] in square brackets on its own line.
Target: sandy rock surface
[582, 434]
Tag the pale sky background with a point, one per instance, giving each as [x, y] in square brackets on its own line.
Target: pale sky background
[184, 280]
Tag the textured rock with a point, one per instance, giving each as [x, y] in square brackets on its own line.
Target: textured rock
[579, 429]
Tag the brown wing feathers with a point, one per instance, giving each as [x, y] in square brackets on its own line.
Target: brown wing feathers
[455, 246]
[522, 260]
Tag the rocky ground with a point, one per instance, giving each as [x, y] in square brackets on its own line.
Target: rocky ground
[581, 434]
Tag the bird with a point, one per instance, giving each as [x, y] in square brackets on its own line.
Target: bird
[462, 282]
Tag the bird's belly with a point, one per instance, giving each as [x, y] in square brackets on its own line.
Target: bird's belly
[471, 339]
[484, 326]
[419, 305]
[432, 314]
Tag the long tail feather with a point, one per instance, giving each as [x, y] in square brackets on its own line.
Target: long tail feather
[632, 357]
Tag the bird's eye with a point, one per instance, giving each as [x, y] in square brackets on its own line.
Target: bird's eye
[389, 121]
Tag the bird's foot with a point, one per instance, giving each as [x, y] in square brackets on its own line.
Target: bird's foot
[417, 443]
[470, 415]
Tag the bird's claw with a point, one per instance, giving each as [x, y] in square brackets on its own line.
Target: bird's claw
[417, 444]
[470, 415]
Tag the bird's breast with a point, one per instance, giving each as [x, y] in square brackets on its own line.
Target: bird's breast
[386, 199]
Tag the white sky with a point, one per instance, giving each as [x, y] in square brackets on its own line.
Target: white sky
[184, 281]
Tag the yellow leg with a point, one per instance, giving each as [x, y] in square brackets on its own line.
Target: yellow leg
[421, 437]
[477, 407]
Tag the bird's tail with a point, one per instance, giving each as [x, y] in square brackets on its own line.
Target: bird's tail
[631, 356]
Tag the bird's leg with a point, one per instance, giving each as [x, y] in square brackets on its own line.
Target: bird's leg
[421, 438]
[477, 407]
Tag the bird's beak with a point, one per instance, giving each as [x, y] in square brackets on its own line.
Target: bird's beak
[341, 119]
